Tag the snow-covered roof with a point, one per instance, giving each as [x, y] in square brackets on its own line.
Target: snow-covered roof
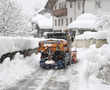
[84, 21]
[103, 22]
[43, 22]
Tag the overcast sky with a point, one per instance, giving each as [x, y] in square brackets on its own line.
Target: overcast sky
[30, 5]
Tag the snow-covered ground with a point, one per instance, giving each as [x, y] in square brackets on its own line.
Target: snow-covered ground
[9, 44]
[93, 69]
[20, 68]
[91, 60]
[80, 76]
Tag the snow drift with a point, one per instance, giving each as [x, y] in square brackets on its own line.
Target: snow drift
[13, 71]
[10, 44]
[92, 63]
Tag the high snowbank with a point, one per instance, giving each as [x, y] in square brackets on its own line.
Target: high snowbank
[13, 71]
[9, 44]
[18, 69]
[92, 62]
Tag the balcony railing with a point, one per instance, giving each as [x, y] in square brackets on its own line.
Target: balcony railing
[60, 12]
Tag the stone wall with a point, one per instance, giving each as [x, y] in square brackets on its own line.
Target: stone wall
[100, 42]
[87, 43]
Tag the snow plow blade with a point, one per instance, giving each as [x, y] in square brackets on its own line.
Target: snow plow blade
[57, 65]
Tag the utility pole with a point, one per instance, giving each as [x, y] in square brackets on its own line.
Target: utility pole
[69, 46]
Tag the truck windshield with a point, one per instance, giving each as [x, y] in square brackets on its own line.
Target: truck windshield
[57, 35]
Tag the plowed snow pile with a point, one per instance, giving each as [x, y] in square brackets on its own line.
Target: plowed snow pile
[94, 61]
[13, 71]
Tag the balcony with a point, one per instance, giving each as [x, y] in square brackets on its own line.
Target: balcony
[60, 12]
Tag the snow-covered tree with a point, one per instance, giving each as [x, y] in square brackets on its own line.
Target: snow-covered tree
[11, 17]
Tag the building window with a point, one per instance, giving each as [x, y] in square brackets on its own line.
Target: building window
[55, 7]
[65, 5]
[59, 5]
[55, 22]
[71, 4]
[79, 5]
[71, 20]
[58, 22]
[66, 21]
[62, 21]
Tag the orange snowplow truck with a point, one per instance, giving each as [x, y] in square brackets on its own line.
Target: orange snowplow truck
[55, 41]
[57, 45]
[54, 45]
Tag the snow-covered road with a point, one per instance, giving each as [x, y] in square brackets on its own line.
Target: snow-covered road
[26, 74]
[75, 77]
[44, 80]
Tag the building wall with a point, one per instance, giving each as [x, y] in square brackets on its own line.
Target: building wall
[91, 6]
[56, 19]
[73, 10]
[87, 43]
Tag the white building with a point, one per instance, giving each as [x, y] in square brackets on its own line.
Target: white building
[64, 12]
